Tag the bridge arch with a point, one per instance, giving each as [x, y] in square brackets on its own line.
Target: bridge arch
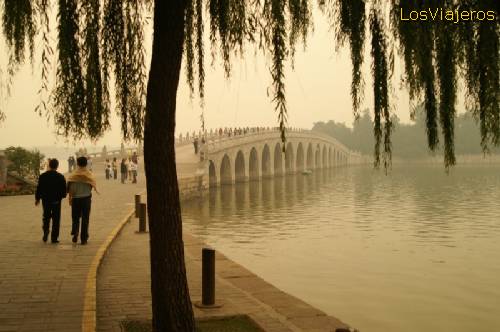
[289, 159]
[212, 174]
[317, 157]
[325, 156]
[310, 157]
[239, 167]
[330, 161]
[266, 161]
[299, 165]
[253, 165]
[278, 160]
[226, 175]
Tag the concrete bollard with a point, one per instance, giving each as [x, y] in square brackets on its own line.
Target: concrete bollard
[208, 277]
[137, 205]
[143, 211]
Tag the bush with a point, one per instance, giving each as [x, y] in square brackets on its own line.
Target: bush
[26, 163]
[15, 190]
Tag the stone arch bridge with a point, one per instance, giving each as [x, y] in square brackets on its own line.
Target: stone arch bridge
[259, 154]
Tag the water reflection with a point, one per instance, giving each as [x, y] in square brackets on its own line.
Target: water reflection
[414, 250]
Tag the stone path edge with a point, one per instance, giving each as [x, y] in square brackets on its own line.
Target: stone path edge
[90, 295]
[89, 320]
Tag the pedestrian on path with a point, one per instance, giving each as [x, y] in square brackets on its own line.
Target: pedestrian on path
[134, 167]
[107, 166]
[115, 168]
[129, 170]
[195, 144]
[89, 163]
[123, 170]
[51, 190]
[80, 184]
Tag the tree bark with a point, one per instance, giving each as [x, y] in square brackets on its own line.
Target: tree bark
[171, 304]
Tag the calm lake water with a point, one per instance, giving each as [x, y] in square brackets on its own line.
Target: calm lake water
[416, 250]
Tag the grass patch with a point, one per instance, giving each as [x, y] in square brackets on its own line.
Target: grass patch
[223, 324]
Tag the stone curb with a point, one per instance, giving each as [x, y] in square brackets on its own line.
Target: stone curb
[89, 320]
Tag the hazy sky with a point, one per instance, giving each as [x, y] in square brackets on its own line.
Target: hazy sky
[317, 90]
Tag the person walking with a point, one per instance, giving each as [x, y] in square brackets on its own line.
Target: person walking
[195, 144]
[134, 167]
[114, 166]
[123, 170]
[129, 170]
[89, 163]
[72, 162]
[51, 190]
[80, 184]
[135, 158]
[107, 171]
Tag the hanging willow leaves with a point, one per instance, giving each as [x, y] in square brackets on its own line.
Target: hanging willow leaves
[70, 115]
[299, 23]
[19, 28]
[47, 53]
[96, 101]
[101, 42]
[347, 19]
[418, 49]
[123, 45]
[446, 73]
[381, 72]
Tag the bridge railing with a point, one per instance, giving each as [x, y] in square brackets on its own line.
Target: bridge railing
[226, 133]
[216, 142]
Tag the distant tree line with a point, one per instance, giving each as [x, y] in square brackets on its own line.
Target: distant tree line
[409, 140]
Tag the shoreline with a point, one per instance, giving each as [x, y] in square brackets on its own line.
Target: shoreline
[286, 307]
[238, 290]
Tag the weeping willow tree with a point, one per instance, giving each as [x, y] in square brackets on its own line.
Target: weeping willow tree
[100, 43]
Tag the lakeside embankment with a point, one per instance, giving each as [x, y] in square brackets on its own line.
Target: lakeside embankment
[240, 291]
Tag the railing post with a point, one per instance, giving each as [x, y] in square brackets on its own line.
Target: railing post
[137, 204]
[142, 217]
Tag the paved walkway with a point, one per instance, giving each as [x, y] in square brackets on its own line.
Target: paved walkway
[42, 284]
[123, 289]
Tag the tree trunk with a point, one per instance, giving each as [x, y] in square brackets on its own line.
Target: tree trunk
[171, 303]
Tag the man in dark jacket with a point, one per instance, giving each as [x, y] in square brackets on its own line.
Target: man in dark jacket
[51, 190]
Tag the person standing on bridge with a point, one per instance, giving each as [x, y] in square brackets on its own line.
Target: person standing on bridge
[80, 184]
[51, 190]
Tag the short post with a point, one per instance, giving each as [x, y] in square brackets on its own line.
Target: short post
[208, 277]
[137, 204]
[142, 217]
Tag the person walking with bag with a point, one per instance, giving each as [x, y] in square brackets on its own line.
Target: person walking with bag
[80, 185]
[51, 190]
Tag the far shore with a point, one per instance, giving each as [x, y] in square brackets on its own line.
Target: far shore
[460, 159]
